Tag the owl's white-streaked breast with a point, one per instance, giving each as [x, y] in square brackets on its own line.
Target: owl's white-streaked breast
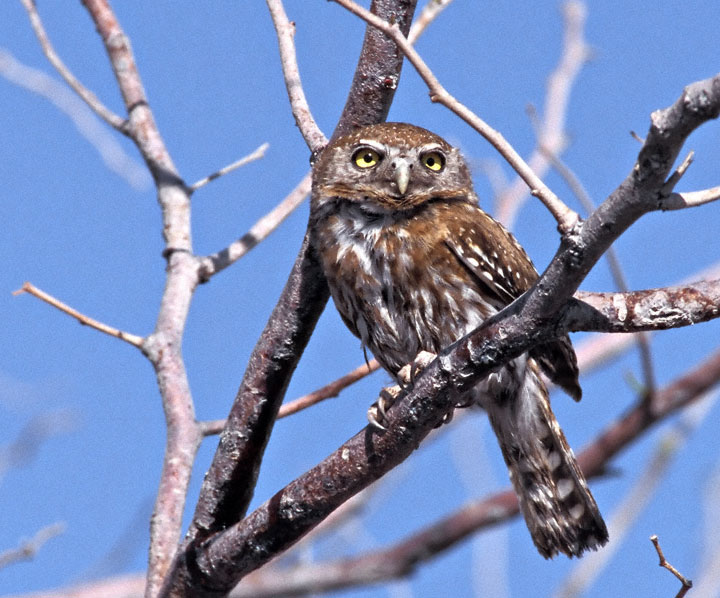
[392, 287]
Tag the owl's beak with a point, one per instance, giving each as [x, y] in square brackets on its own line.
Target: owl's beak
[402, 175]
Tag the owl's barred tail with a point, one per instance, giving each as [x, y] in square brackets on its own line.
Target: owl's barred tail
[559, 509]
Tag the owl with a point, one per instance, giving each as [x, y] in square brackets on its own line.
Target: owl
[413, 264]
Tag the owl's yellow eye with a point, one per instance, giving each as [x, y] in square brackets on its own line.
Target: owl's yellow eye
[434, 161]
[366, 157]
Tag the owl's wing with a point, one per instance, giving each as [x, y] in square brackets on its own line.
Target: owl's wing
[502, 269]
[491, 255]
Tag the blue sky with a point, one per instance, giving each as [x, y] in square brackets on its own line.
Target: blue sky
[79, 231]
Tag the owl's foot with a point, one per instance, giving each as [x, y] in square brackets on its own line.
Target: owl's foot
[377, 414]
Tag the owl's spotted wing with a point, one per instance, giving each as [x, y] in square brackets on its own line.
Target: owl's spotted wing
[499, 265]
[492, 256]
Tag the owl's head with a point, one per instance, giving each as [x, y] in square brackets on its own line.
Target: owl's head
[389, 167]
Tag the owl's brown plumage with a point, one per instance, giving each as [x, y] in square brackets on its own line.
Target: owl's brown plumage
[414, 264]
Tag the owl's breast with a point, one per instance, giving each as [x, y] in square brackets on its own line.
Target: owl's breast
[399, 290]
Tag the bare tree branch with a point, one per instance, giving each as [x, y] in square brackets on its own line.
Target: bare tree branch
[428, 14]
[329, 390]
[402, 558]
[686, 583]
[690, 199]
[212, 264]
[133, 339]
[256, 155]
[163, 346]
[654, 309]
[115, 121]
[301, 110]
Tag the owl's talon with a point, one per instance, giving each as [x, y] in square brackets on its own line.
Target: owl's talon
[373, 417]
[377, 413]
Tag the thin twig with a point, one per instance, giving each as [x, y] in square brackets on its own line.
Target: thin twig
[427, 15]
[616, 270]
[550, 129]
[256, 155]
[565, 217]
[29, 548]
[686, 583]
[133, 339]
[689, 199]
[677, 174]
[298, 102]
[637, 137]
[212, 264]
[88, 96]
[329, 390]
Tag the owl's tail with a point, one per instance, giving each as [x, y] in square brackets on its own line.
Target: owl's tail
[559, 509]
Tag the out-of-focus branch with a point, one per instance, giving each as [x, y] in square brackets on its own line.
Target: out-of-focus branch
[88, 97]
[85, 120]
[565, 217]
[29, 548]
[551, 127]
[212, 264]
[428, 14]
[256, 155]
[127, 586]
[298, 103]
[707, 576]
[33, 435]
[133, 339]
